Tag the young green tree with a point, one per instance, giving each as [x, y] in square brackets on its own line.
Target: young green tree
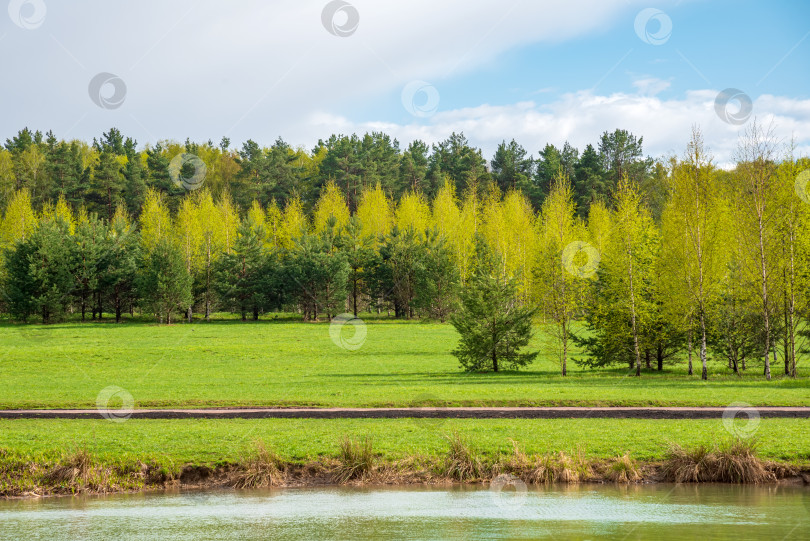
[358, 247]
[621, 310]
[331, 204]
[756, 205]
[120, 270]
[694, 222]
[793, 230]
[39, 272]
[19, 220]
[164, 282]
[240, 275]
[437, 279]
[189, 237]
[318, 274]
[492, 323]
[508, 227]
[89, 259]
[374, 213]
[560, 280]
[155, 220]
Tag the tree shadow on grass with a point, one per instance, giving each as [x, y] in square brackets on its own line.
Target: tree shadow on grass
[550, 378]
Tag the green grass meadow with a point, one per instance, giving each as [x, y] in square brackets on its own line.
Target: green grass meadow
[287, 362]
[209, 442]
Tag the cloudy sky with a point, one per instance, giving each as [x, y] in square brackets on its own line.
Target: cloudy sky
[534, 71]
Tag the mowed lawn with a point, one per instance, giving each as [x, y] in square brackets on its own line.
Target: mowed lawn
[213, 441]
[285, 362]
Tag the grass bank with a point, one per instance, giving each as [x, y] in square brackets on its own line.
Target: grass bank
[40, 457]
[285, 363]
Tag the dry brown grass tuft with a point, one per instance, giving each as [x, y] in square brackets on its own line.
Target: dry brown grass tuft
[542, 470]
[73, 469]
[461, 463]
[687, 465]
[262, 469]
[565, 469]
[735, 462]
[623, 469]
[548, 468]
[355, 460]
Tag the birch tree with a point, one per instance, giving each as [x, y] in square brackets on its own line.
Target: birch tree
[756, 211]
[694, 222]
[558, 284]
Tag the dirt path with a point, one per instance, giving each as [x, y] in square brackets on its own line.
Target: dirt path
[396, 413]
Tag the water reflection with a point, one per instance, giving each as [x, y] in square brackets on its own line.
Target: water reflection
[563, 512]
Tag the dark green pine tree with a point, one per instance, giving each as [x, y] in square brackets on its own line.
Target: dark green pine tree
[318, 275]
[69, 177]
[437, 279]
[20, 288]
[413, 169]
[120, 266]
[134, 190]
[492, 322]
[240, 275]
[511, 168]
[39, 273]
[359, 254]
[88, 255]
[158, 177]
[589, 181]
[395, 275]
[455, 159]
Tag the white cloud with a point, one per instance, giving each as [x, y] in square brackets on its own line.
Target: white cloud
[260, 70]
[650, 86]
[253, 69]
[582, 117]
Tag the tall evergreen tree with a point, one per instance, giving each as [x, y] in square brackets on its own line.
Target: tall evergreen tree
[492, 323]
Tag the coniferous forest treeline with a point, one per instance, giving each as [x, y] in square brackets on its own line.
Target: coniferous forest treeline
[634, 260]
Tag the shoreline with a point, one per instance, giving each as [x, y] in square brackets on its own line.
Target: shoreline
[80, 474]
[218, 485]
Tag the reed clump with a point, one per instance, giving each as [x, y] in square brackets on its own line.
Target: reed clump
[547, 468]
[623, 469]
[355, 459]
[261, 469]
[733, 462]
[461, 463]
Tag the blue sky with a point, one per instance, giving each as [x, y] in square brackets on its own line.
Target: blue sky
[730, 43]
[534, 71]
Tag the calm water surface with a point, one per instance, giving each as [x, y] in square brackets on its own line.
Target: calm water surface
[581, 512]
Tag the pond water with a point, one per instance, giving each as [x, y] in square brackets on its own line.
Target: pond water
[578, 512]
